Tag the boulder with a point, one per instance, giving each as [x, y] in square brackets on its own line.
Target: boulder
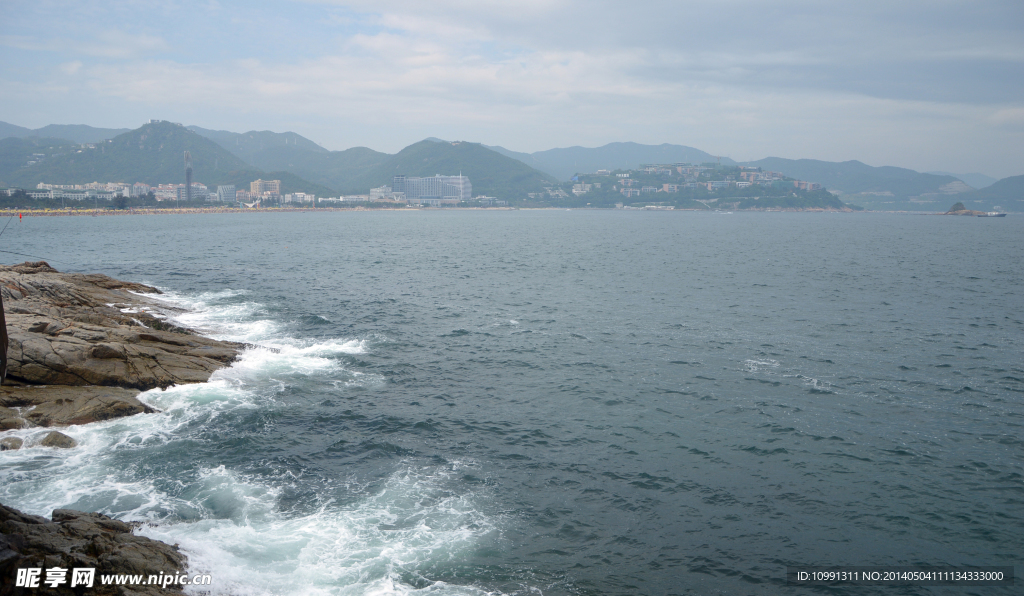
[73, 539]
[11, 418]
[58, 439]
[10, 444]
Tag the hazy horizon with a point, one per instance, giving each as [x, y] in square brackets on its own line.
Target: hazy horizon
[917, 85]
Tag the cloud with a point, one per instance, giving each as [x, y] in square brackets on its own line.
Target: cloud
[71, 68]
[746, 78]
[105, 44]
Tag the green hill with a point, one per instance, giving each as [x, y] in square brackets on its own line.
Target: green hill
[854, 177]
[153, 154]
[356, 170]
[292, 152]
[490, 172]
[1005, 195]
[245, 145]
[337, 169]
[563, 162]
[17, 153]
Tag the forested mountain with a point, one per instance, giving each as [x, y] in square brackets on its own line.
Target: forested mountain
[1005, 195]
[153, 154]
[853, 177]
[564, 162]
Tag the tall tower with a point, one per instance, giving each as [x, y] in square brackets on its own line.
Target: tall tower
[188, 176]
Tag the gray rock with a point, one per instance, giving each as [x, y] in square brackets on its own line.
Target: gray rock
[11, 419]
[10, 444]
[59, 440]
[54, 405]
[68, 330]
[75, 539]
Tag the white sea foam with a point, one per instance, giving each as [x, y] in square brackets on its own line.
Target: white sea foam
[231, 525]
[752, 365]
[363, 548]
[220, 315]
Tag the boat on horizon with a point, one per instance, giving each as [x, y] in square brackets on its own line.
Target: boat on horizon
[992, 214]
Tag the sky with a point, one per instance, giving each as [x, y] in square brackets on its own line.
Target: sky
[936, 85]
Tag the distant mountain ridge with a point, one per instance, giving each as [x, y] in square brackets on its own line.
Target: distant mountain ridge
[563, 163]
[247, 144]
[974, 179]
[79, 133]
[490, 172]
[356, 170]
[153, 154]
[854, 177]
[1004, 195]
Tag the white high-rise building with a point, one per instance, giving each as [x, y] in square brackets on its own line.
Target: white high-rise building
[226, 193]
[436, 190]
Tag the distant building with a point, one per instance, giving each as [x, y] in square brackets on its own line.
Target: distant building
[802, 185]
[199, 192]
[166, 192]
[630, 192]
[226, 193]
[647, 189]
[299, 197]
[382, 193]
[436, 190]
[262, 187]
[140, 189]
[580, 189]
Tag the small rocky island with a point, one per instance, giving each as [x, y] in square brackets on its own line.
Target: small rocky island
[959, 209]
[81, 349]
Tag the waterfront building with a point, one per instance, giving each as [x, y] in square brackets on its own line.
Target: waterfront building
[226, 193]
[435, 190]
[382, 193]
[299, 197]
[261, 187]
[199, 192]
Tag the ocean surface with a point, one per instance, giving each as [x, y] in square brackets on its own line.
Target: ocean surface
[562, 402]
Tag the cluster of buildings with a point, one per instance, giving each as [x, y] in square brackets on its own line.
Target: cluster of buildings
[690, 178]
[433, 191]
[226, 193]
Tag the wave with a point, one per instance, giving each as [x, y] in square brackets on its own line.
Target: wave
[235, 525]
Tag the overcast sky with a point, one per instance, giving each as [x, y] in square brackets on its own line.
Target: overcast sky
[935, 85]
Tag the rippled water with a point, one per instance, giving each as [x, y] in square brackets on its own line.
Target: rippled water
[556, 402]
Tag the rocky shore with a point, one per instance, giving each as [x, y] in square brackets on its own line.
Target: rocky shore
[76, 540]
[82, 347]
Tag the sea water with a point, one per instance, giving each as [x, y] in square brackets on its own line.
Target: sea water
[560, 402]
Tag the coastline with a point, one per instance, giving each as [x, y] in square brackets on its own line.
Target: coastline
[268, 210]
[82, 348]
